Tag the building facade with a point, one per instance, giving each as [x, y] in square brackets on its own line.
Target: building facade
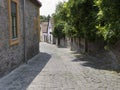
[50, 30]
[19, 32]
[44, 32]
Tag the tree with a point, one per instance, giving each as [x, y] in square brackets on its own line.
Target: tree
[58, 31]
[44, 18]
[62, 15]
[108, 18]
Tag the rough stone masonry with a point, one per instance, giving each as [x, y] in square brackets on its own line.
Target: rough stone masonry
[12, 56]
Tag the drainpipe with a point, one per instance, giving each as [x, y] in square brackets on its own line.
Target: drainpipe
[24, 32]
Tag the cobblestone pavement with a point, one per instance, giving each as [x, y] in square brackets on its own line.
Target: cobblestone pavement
[58, 69]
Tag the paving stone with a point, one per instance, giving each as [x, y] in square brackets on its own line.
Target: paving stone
[54, 69]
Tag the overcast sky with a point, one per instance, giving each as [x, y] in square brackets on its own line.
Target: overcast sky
[48, 6]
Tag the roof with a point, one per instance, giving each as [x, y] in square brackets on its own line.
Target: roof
[37, 2]
[44, 27]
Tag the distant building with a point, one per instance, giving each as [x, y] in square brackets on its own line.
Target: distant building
[44, 31]
[19, 32]
[50, 30]
[51, 38]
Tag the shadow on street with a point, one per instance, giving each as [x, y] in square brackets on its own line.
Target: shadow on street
[21, 78]
[94, 62]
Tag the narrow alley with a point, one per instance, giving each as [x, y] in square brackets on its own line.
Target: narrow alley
[58, 69]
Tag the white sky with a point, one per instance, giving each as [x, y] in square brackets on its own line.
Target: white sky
[48, 6]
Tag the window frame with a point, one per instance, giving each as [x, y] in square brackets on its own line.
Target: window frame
[13, 41]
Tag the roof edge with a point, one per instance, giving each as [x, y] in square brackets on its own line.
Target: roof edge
[37, 2]
[40, 4]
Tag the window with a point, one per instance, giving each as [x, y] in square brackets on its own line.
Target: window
[14, 21]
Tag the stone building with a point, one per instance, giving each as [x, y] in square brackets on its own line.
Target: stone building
[44, 32]
[51, 39]
[19, 32]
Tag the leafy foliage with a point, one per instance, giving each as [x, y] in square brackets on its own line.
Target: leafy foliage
[90, 19]
[58, 30]
[108, 18]
[69, 30]
[83, 15]
[44, 18]
[58, 21]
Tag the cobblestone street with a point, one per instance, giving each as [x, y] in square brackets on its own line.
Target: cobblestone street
[58, 69]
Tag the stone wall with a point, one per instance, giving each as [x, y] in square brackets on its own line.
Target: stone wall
[95, 47]
[10, 56]
[115, 49]
[77, 44]
[32, 36]
[13, 56]
[74, 44]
